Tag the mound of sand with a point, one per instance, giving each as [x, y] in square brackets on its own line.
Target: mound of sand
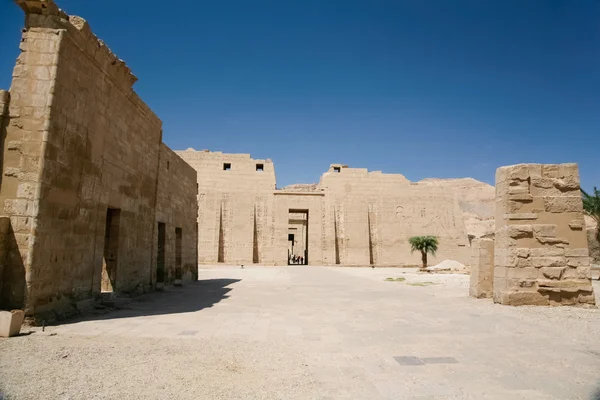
[448, 266]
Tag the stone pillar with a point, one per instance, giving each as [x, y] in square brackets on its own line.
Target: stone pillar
[541, 252]
[482, 268]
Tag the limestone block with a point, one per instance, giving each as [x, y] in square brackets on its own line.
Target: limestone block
[547, 251]
[518, 190]
[577, 224]
[521, 216]
[518, 172]
[552, 272]
[522, 273]
[567, 184]
[578, 261]
[522, 298]
[550, 171]
[10, 322]
[542, 183]
[520, 231]
[577, 284]
[524, 197]
[563, 204]
[552, 240]
[576, 252]
[547, 230]
[539, 262]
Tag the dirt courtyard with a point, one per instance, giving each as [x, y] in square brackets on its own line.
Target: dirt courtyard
[310, 333]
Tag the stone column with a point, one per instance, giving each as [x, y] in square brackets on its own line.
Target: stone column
[541, 252]
[482, 268]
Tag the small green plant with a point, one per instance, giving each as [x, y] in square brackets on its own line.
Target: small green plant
[424, 244]
[395, 279]
[420, 283]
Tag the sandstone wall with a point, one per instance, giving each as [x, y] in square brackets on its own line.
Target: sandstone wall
[236, 207]
[541, 253]
[177, 207]
[354, 217]
[372, 215]
[476, 201]
[79, 142]
[25, 134]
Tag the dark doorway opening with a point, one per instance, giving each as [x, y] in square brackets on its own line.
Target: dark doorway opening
[298, 237]
[111, 250]
[160, 256]
[178, 240]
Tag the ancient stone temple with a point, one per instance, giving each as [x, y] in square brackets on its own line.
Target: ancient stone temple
[91, 200]
[351, 217]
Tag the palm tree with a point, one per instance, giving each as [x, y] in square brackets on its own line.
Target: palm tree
[424, 244]
[591, 205]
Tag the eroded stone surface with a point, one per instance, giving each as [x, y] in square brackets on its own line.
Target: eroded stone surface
[86, 177]
[546, 261]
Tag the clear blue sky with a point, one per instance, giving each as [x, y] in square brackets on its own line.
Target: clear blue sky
[424, 88]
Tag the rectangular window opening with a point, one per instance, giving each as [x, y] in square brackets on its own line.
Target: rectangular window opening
[260, 167]
[337, 169]
[226, 166]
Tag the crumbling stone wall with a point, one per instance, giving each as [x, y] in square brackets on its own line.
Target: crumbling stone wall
[541, 251]
[79, 141]
[177, 207]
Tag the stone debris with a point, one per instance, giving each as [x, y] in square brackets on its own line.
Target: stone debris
[451, 266]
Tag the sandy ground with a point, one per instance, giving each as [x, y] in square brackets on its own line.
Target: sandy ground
[311, 333]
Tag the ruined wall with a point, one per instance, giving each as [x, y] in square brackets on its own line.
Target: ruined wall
[177, 207]
[235, 207]
[541, 253]
[79, 142]
[369, 217]
[354, 217]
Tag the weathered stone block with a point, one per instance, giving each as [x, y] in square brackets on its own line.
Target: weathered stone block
[522, 298]
[518, 172]
[547, 251]
[10, 322]
[550, 171]
[552, 272]
[521, 216]
[576, 252]
[520, 231]
[539, 262]
[547, 230]
[578, 261]
[571, 204]
[524, 198]
[518, 190]
[577, 224]
[552, 240]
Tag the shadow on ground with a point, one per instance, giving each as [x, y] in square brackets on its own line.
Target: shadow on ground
[193, 296]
